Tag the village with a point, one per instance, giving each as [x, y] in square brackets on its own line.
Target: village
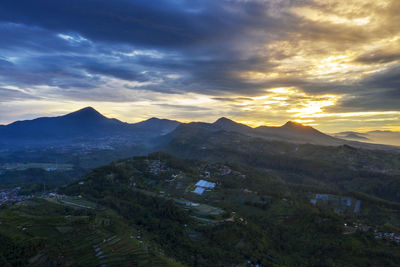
[355, 227]
[11, 196]
[197, 193]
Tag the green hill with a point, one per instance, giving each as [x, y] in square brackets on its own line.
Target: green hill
[250, 217]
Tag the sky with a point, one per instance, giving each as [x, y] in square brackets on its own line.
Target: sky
[331, 64]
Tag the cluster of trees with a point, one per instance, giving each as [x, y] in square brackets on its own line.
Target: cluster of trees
[339, 168]
[277, 232]
[17, 253]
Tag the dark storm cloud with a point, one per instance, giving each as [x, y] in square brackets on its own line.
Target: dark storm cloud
[202, 41]
[185, 107]
[210, 73]
[198, 37]
[10, 94]
[383, 91]
[378, 92]
[379, 57]
[16, 37]
[145, 23]
[378, 100]
[180, 46]
[388, 79]
[44, 70]
[113, 71]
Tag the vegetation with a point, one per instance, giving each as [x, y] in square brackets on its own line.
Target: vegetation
[341, 168]
[273, 204]
[271, 223]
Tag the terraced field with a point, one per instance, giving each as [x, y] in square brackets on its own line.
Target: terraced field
[70, 239]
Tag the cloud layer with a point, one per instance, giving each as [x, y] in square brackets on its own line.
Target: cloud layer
[335, 64]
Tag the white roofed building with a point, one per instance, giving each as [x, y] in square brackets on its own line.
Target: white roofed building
[202, 185]
[198, 190]
[205, 184]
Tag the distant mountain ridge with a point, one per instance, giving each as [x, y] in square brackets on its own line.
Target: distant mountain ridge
[352, 136]
[82, 126]
[291, 132]
[86, 121]
[87, 126]
[377, 137]
[297, 132]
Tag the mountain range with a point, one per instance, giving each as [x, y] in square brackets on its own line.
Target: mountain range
[377, 137]
[280, 194]
[87, 126]
[83, 126]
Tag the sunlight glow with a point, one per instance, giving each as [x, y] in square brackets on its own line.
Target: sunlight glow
[314, 106]
[317, 15]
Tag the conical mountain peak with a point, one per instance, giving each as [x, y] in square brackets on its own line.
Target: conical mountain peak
[224, 120]
[293, 124]
[86, 113]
